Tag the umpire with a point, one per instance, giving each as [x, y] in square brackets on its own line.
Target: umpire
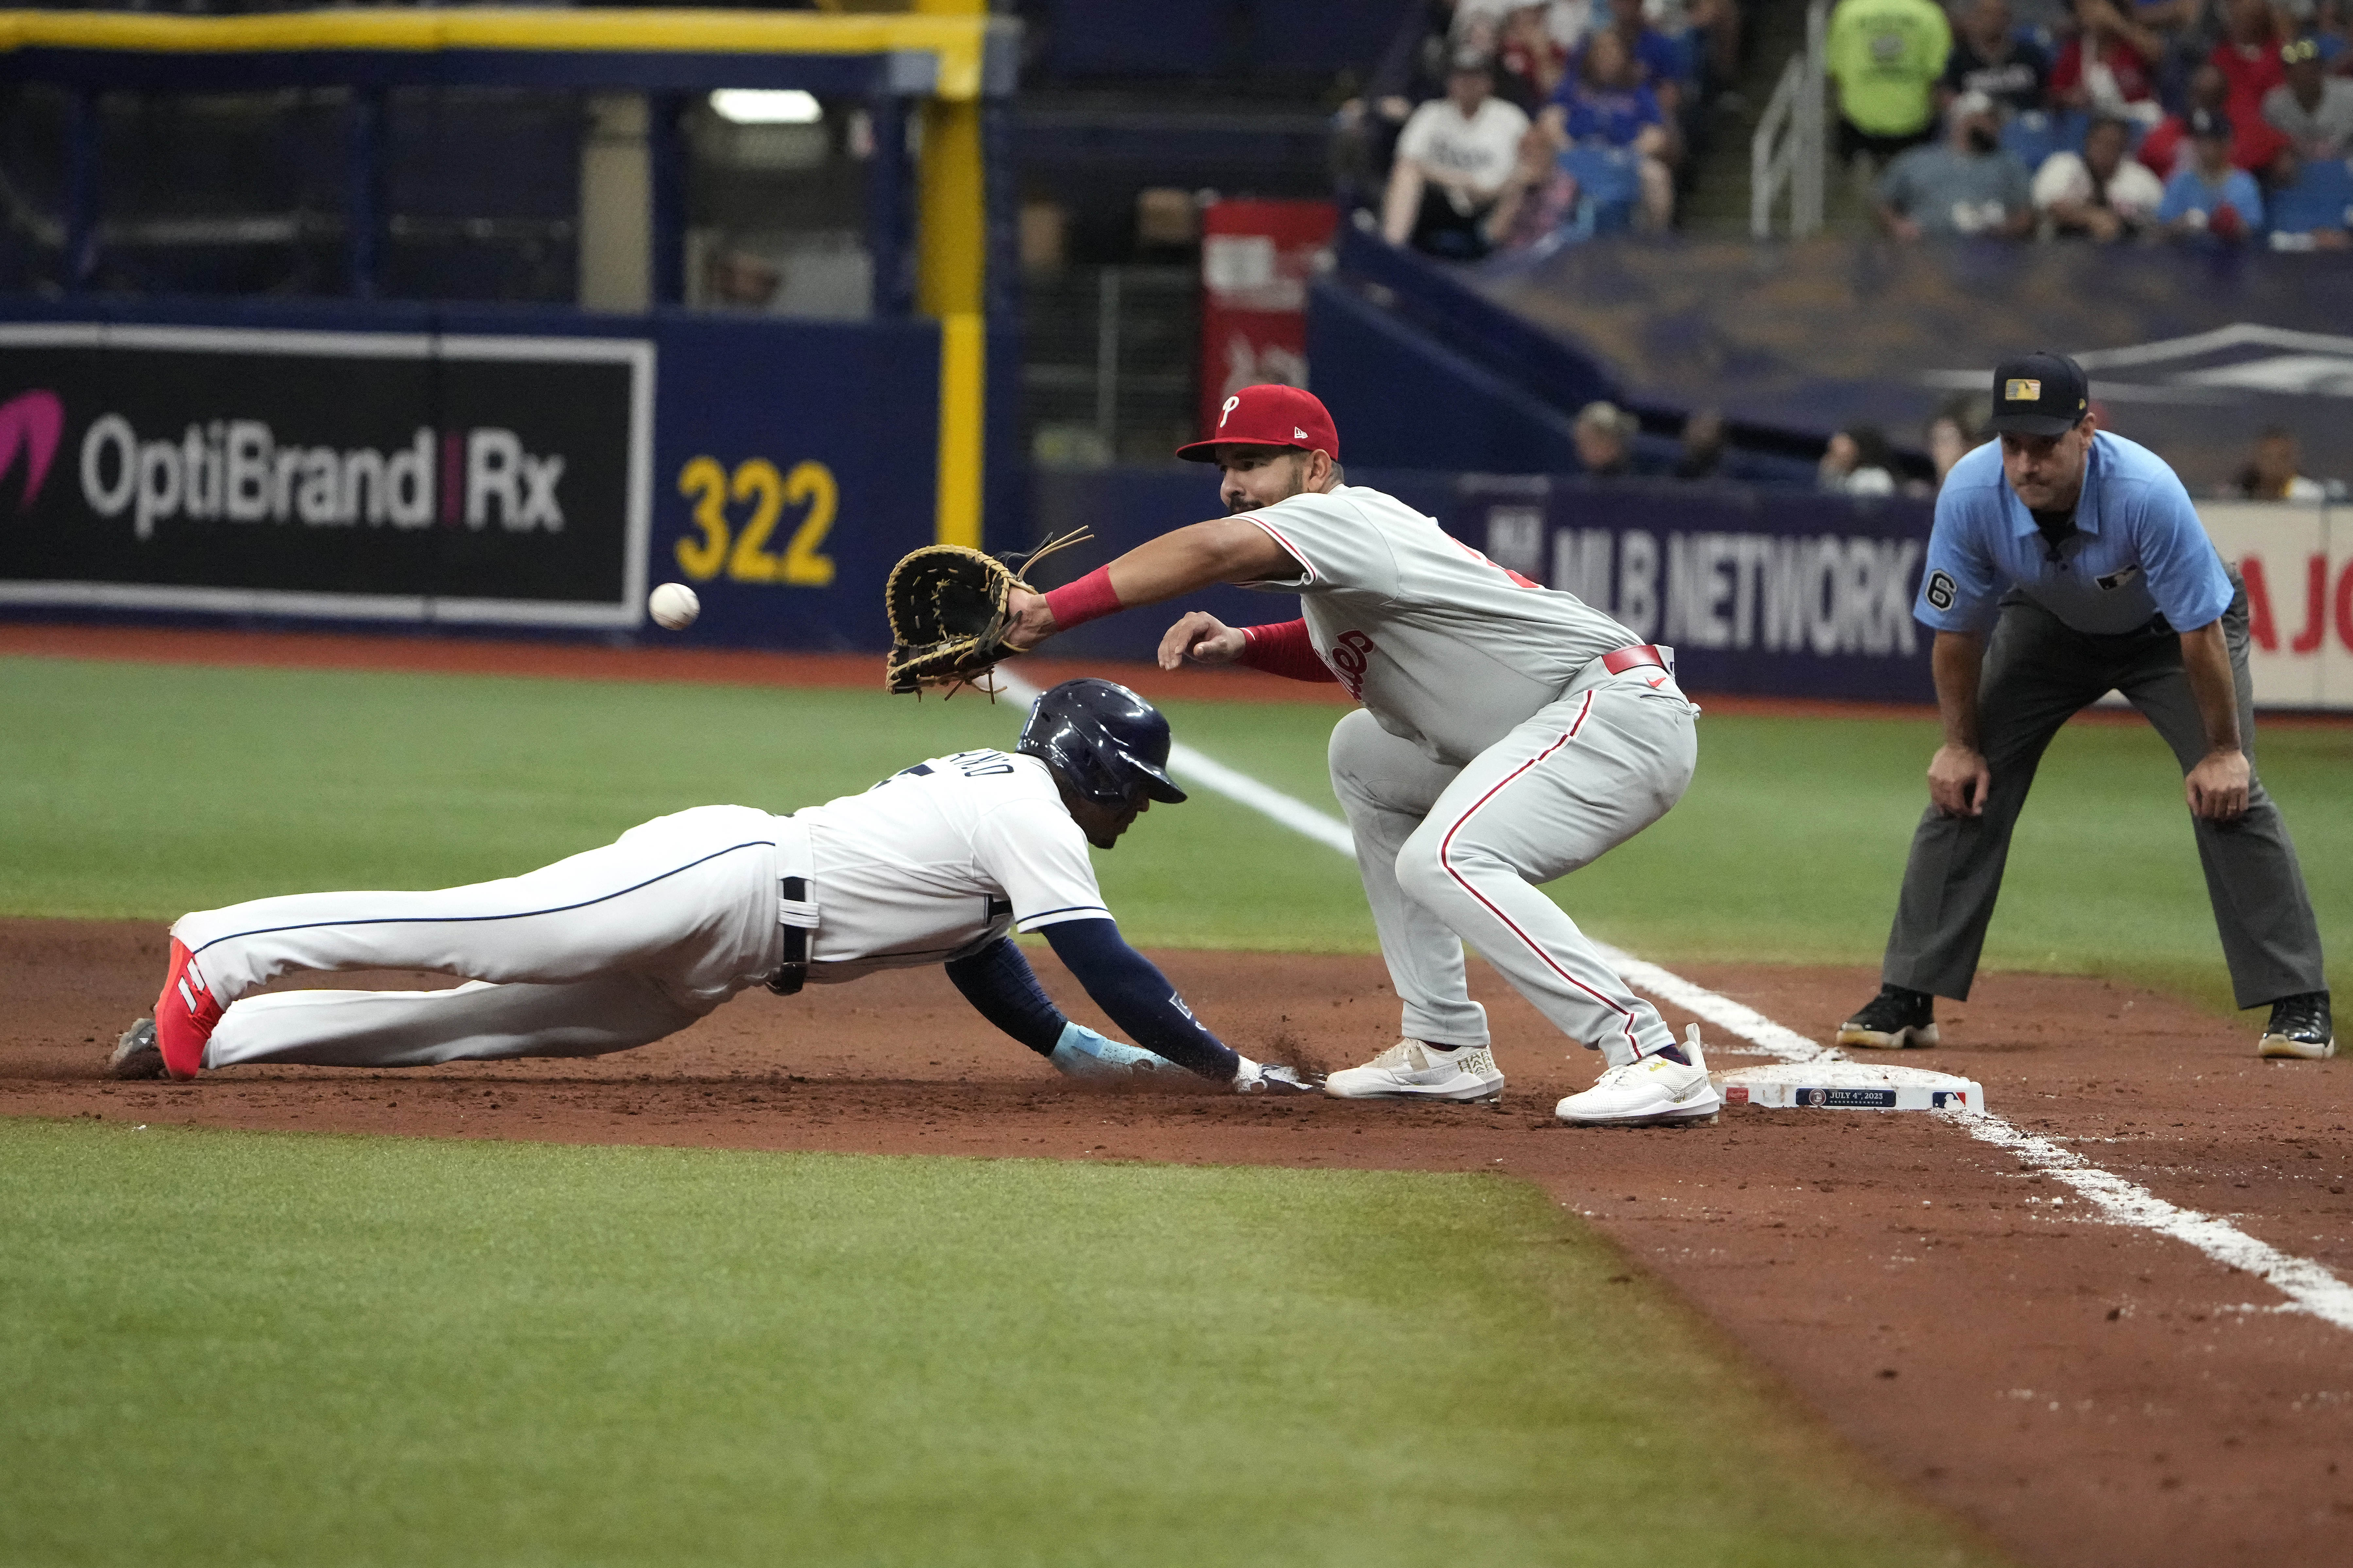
[2082, 556]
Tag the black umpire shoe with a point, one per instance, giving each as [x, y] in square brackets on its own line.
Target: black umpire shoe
[2299, 1028]
[1891, 1020]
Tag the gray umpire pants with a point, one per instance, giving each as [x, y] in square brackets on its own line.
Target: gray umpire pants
[2038, 674]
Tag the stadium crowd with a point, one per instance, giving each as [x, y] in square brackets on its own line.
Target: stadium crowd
[1498, 126]
[2208, 122]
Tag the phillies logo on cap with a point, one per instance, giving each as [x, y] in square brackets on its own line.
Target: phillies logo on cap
[1271, 414]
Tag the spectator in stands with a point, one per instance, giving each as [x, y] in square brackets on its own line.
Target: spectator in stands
[2309, 202]
[2271, 471]
[1968, 184]
[1604, 101]
[1658, 63]
[2110, 66]
[2332, 29]
[2313, 109]
[2249, 58]
[1530, 57]
[1858, 462]
[2208, 197]
[2179, 28]
[1989, 57]
[1884, 59]
[1479, 30]
[1411, 71]
[1959, 425]
[1538, 201]
[1702, 455]
[2252, 147]
[1604, 434]
[1452, 159]
[2101, 194]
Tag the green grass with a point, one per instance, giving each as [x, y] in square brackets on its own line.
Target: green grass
[232, 1348]
[145, 791]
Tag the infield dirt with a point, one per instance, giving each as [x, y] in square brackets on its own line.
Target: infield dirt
[2084, 1393]
[2087, 1394]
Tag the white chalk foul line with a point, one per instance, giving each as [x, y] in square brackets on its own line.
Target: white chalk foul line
[2308, 1286]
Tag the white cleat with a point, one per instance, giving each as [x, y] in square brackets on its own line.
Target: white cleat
[1651, 1092]
[1415, 1069]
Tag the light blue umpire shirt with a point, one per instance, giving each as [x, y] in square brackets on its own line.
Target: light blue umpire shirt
[2139, 550]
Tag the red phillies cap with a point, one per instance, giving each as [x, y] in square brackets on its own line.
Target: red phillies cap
[1268, 415]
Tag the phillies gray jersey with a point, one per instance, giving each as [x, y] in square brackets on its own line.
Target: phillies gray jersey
[1445, 648]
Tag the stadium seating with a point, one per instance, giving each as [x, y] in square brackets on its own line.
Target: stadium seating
[1166, 38]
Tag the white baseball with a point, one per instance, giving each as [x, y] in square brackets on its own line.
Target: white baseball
[674, 607]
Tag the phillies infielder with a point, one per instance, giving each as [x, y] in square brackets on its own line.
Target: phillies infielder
[622, 945]
[1509, 734]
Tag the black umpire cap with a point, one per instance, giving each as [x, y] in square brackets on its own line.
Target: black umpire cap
[2041, 394]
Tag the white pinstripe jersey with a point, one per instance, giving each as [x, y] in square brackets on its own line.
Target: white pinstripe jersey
[1444, 647]
[941, 859]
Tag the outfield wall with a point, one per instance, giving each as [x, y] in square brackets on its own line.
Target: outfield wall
[540, 468]
[1771, 591]
[467, 466]
[2298, 563]
[1764, 590]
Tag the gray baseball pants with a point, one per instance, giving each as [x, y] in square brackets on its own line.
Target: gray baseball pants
[1450, 855]
[2038, 674]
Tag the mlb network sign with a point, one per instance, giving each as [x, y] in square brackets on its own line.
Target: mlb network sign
[1785, 593]
[368, 476]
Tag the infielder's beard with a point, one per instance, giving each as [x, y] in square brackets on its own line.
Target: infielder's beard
[1298, 486]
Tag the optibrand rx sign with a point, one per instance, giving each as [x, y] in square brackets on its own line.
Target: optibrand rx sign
[365, 476]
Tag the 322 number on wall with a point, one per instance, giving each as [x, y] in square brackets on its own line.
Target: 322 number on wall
[744, 554]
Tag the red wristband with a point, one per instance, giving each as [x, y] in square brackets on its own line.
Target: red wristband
[1090, 598]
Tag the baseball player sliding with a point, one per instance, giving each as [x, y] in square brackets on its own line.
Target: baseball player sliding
[620, 946]
[1509, 734]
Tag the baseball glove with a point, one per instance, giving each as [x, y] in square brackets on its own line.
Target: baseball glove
[948, 615]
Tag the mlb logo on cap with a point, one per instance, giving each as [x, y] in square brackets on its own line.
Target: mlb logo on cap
[2039, 394]
[1268, 415]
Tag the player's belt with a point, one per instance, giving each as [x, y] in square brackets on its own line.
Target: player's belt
[799, 916]
[1642, 655]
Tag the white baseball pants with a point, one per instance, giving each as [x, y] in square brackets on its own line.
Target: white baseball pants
[609, 949]
[1454, 855]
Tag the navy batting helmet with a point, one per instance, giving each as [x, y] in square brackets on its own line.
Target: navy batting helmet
[1108, 743]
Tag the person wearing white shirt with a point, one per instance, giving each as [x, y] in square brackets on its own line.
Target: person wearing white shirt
[2102, 193]
[1452, 159]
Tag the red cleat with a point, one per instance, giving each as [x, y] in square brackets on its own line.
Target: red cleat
[184, 1015]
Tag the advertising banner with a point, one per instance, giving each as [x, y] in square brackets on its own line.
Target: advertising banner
[368, 476]
[1763, 592]
[465, 467]
[2298, 563]
[1257, 258]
